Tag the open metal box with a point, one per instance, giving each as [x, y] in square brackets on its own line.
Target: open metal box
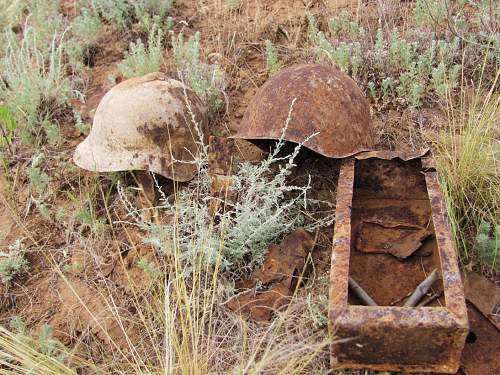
[384, 197]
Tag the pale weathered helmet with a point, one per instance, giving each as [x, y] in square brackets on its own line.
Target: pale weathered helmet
[327, 101]
[144, 124]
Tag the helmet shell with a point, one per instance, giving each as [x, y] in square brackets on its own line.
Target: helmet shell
[144, 124]
[327, 101]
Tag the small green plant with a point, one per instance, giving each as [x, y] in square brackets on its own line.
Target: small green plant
[151, 13]
[272, 62]
[44, 344]
[39, 180]
[10, 13]
[344, 26]
[85, 29]
[123, 13]
[73, 267]
[13, 262]
[52, 132]
[488, 245]
[87, 218]
[429, 12]
[82, 127]
[318, 310]
[149, 268]
[39, 13]
[116, 12]
[140, 59]
[8, 127]
[207, 80]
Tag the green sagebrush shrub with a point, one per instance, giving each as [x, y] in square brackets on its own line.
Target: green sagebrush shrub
[235, 239]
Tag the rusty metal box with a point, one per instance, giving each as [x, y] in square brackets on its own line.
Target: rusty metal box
[379, 194]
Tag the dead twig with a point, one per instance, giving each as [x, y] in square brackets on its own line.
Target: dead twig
[360, 293]
[422, 289]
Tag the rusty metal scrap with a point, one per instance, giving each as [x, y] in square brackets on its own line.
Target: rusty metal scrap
[485, 296]
[271, 287]
[224, 154]
[399, 241]
[385, 337]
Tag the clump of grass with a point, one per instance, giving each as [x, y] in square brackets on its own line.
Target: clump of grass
[140, 60]
[34, 87]
[207, 80]
[466, 153]
[87, 218]
[116, 12]
[153, 12]
[13, 262]
[272, 62]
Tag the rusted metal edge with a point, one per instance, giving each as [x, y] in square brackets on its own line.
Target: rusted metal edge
[389, 155]
[452, 282]
[339, 269]
[380, 318]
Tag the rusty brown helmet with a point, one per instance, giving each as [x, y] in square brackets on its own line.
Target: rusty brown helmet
[143, 124]
[327, 101]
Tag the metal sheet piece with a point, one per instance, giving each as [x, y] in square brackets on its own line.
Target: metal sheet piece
[397, 193]
[271, 287]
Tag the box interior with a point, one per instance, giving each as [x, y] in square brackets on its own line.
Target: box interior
[393, 243]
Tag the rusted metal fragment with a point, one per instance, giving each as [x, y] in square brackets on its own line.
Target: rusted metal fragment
[220, 155]
[147, 185]
[222, 192]
[270, 287]
[389, 155]
[428, 163]
[481, 355]
[395, 240]
[327, 101]
[385, 337]
[224, 154]
[485, 296]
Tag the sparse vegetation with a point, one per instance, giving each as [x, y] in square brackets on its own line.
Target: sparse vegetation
[140, 59]
[13, 262]
[34, 87]
[207, 80]
[415, 65]
[272, 62]
[466, 152]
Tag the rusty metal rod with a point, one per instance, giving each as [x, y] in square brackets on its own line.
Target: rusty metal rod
[422, 289]
[360, 293]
